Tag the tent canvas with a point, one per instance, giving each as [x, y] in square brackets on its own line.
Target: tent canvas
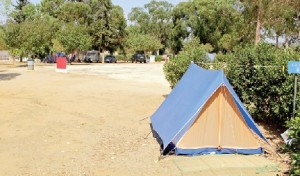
[203, 114]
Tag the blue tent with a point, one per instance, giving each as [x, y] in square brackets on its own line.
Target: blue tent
[203, 114]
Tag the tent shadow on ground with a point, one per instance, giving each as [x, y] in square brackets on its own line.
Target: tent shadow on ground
[169, 150]
[8, 76]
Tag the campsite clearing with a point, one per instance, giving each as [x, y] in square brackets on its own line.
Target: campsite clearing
[87, 122]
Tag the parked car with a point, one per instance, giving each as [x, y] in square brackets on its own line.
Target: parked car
[92, 56]
[138, 57]
[60, 54]
[110, 59]
[51, 58]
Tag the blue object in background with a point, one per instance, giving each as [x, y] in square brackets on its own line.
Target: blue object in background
[294, 67]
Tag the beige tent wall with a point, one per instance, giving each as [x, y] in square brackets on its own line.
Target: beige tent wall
[220, 124]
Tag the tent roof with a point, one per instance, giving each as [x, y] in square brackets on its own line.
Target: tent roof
[183, 105]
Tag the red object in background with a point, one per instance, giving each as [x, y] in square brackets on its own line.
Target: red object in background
[61, 63]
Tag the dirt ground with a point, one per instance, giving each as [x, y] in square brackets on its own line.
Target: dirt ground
[93, 120]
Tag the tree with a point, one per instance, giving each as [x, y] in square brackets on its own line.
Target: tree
[100, 26]
[38, 41]
[143, 42]
[13, 38]
[73, 37]
[107, 27]
[275, 16]
[21, 38]
[180, 30]
[117, 27]
[3, 45]
[18, 14]
[215, 22]
[154, 19]
[75, 12]
[160, 20]
[51, 7]
[140, 19]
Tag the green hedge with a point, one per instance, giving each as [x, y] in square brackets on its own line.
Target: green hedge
[176, 67]
[260, 78]
[294, 133]
[158, 58]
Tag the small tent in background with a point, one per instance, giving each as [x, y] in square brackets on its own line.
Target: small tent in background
[203, 114]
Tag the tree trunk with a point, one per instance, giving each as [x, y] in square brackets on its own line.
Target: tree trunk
[258, 24]
[286, 42]
[103, 53]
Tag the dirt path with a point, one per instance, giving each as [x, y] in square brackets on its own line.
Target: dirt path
[90, 121]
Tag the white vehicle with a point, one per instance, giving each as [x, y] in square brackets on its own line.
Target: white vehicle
[92, 56]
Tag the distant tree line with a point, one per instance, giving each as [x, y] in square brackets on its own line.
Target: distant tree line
[157, 26]
[59, 25]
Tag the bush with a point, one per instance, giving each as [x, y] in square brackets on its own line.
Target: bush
[121, 58]
[176, 67]
[259, 76]
[158, 58]
[294, 134]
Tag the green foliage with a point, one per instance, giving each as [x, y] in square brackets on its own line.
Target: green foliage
[154, 19]
[143, 42]
[37, 41]
[30, 12]
[65, 25]
[192, 51]
[74, 37]
[22, 37]
[51, 7]
[209, 20]
[3, 45]
[121, 58]
[12, 35]
[294, 133]
[76, 12]
[276, 17]
[18, 13]
[108, 25]
[259, 76]
[158, 58]
[57, 46]
[117, 28]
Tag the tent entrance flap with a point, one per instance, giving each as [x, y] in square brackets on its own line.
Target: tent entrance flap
[219, 125]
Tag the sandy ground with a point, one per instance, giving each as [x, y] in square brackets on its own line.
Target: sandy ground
[93, 120]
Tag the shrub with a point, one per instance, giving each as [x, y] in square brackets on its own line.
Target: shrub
[294, 134]
[121, 57]
[259, 76]
[158, 58]
[176, 67]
